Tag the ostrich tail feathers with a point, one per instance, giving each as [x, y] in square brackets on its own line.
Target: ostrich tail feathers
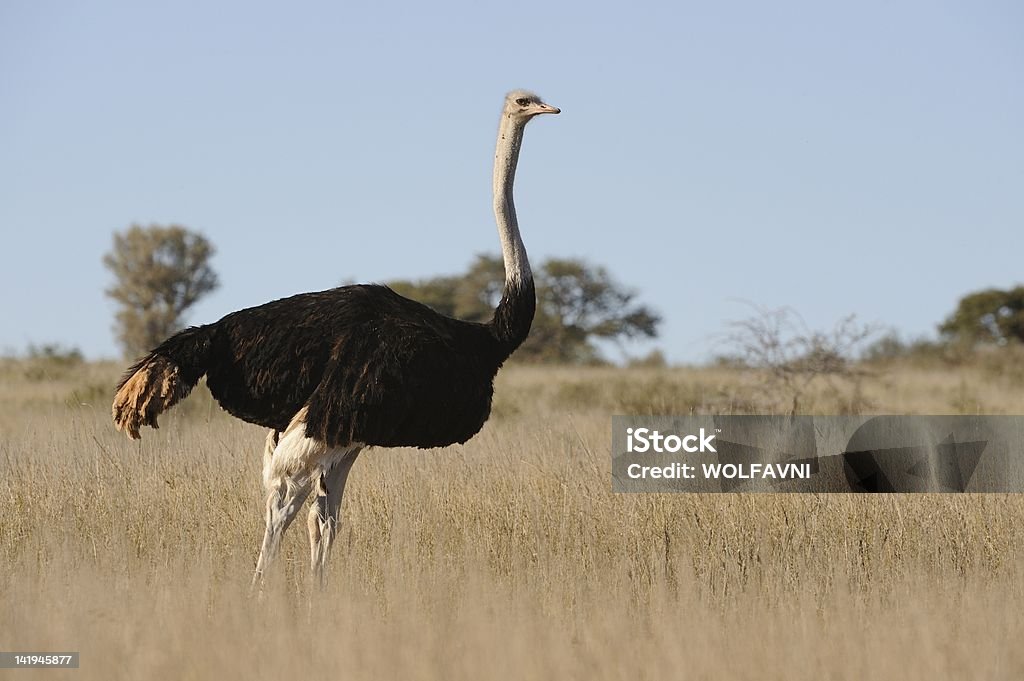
[160, 380]
[154, 387]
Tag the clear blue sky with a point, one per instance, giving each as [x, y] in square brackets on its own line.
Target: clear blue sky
[866, 158]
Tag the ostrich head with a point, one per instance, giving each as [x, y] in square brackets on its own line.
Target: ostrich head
[522, 105]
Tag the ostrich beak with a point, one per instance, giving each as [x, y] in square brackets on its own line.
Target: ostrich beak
[547, 108]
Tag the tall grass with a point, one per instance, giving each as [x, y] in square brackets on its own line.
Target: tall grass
[508, 557]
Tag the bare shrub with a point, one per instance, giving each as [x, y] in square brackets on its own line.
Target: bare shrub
[789, 358]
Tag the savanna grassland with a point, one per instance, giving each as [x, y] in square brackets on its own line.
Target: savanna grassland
[506, 558]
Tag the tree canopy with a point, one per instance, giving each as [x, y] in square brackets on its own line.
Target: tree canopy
[160, 272]
[988, 316]
[577, 304]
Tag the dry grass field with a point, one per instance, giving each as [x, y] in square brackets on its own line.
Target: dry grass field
[508, 558]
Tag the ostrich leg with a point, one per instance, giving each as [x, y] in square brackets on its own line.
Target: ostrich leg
[287, 466]
[325, 511]
[283, 503]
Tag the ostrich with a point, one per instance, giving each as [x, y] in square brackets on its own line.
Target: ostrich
[332, 372]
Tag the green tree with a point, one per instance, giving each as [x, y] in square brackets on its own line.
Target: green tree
[577, 304]
[989, 316]
[160, 272]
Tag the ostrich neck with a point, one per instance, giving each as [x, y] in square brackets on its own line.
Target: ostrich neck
[514, 314]
[506, 156]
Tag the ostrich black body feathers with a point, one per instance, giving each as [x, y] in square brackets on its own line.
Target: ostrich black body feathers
[367, 364]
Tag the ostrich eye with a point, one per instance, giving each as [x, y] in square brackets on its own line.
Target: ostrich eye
[522, 101]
